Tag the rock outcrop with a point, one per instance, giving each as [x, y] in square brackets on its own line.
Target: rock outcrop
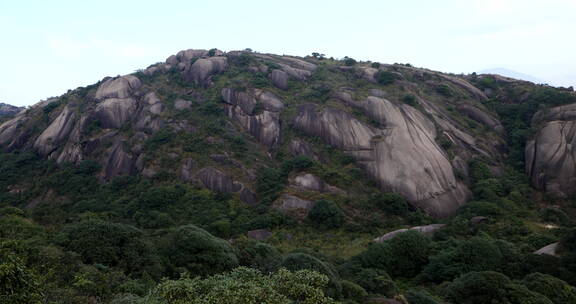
[219, 181]
[428, 229]
[263, 125]
[402, 156]
[551, 153]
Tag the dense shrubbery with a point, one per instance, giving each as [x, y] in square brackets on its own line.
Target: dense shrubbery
[326, 214]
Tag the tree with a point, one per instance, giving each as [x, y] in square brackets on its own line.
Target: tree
[18, 285]
[555, 289]
[326, 214]
[201, 253]
[244, 286]
[385, 77]
[491, 288]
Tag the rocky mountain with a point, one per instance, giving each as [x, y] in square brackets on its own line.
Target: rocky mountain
[217, 119]
[9, 110]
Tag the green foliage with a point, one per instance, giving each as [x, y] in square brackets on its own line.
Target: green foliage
[444, 90]
[375, 65]
[410, 100]
[402, 256]
[110, 244]
[162, 137]
[555, 289]
[326, 214]
[419, 297]
[18, 284]
[199, 252]
[302, 261]
[244, 286]
[258, 255]
[385, 77]
[391, 203]
[349, 61]
[490, 287]
[376, 281]
[353, 291]
[475, 254]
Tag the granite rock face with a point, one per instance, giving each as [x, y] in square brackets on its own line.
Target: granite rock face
[551, 153]
[264, 125]
[402, 156]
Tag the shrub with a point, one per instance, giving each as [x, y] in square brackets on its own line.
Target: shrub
[475, 254]
[110, 244]
[326, 214]
[385, 77]
[302, 261]
[353, 291]
[376, 281]
[402, 256]
[392, 203]
[410, 100]
[555, 289]
[490, 287]
[444, 90]
[243, 286]
[375, 65]
[349, 61]
[201, 253]
[419, 297]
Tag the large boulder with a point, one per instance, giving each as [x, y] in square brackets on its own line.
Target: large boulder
[114, 112]
[264, 125]
[202, 69]
[56, 132]
[121, 87]
[402, 156]
[551, 153]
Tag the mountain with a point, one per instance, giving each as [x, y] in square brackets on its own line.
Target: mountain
[9, 110]
[368, 176]
[512, 74]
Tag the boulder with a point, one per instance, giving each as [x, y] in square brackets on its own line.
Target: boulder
[259, 234]
[216, 180]
[428, 229]
[202, 69]
[186, 169]
[121, 87]
[279, 79]
[551, 249]
[118, 162]
[551, 153]
[402, 156]
[310, 182]
[114, 112]
[289, 204]
[482, 117]
[264, 126]
[299, 147]
[181, 104]
[56, 133]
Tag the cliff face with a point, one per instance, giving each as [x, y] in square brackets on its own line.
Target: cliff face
[204, 111]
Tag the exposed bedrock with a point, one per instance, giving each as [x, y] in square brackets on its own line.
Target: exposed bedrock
[264, 125]
[402, 156]
[551, 153]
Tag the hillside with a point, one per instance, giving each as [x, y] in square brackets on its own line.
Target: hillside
[301, 163]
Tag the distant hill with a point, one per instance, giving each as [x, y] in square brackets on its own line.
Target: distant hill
[9, 110]
[512, 74]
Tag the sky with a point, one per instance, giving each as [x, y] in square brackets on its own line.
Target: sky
[48, 47]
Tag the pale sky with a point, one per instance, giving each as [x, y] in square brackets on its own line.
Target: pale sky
[50, 46]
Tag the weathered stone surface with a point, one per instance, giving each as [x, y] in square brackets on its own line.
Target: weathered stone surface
[56, 132]
[279, 79]
[122, 87]
[310, 182]
[428, 229]
[299, 147]
[186, 169]
[248, 197]
[403, 156]
[292, 205]
[114, 112]
[259, 234]
[551, 249]
[482, 117]
[216, 180]
[478, 220]
[156, 108]
[264, 126]
[10, 131]
[551, 153]
[118, 162]
[203, 68]
[181, 104]
[151, 98]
